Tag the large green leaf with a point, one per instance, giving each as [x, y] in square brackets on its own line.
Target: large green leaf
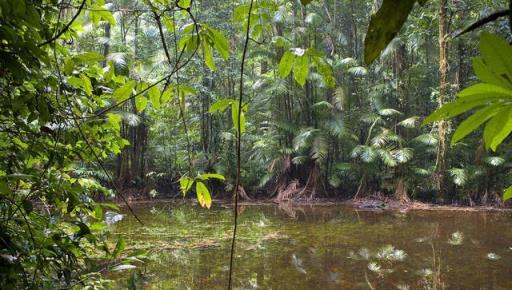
[220, 105]
[454, 109]
[474, 121]
[122, 93]
[203, 195]
[286, 64]
[154, 96]
[141, 102]
[220, 43]
[385, 25]
[498, 129]
[185, 184]
[301, 69]
[496, 53]
[208, 56]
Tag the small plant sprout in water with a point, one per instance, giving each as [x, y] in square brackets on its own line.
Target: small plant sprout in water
[493, 256]
[390, 253]
[456, 239]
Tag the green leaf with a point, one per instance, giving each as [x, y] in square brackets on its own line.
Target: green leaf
[141, 102]
[483, 90]
[385, 25]
[208, 176]
[286, 64]
[114, 120]
[485, 74]
[154, 96]
[208, 56]
[120, 245]
[326, 71]
[496, 52]
[122, 93]
[167, 95]
[86, 84]
[235, 118]
[168, 23]
[98, 226]
[220, 43]
[474, 121]
[88, 58]
[185, 184]
[305, 2]
[498, 129]
[220, 105]
[507, 194]
[451, 110]
[184, 3]
[301, 69]
[203, 195]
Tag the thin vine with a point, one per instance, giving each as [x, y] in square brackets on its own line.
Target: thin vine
[238, 148]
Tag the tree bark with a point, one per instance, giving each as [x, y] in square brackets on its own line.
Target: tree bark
[442, 126]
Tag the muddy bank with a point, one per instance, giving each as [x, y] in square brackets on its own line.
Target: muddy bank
[368, 203]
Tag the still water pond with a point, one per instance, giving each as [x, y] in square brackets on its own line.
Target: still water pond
[321, 247]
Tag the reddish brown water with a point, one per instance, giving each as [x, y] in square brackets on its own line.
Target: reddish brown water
[322, 247]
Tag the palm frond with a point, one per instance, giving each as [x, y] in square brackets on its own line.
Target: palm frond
[366, 153]
[319, 148]
[459, 176]
[495, 161]
[411, 122]
[426, 139]
[386, 157]
[389, 112]
[403, 155]
[340, 98]
[358, 71]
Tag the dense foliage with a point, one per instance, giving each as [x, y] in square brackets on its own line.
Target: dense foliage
[134, 97]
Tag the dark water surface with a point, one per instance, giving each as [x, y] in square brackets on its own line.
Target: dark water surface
[321, 247]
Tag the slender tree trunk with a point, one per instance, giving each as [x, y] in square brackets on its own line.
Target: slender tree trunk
[442, 126]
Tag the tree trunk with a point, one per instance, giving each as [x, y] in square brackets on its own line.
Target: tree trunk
[442, 126]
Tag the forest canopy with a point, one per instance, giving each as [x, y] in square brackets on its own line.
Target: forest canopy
[111, 100]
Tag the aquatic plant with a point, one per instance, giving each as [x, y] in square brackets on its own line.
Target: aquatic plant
[390, 253]
[456, 239]
[493, 256]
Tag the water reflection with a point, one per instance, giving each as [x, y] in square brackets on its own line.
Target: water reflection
[321, 247]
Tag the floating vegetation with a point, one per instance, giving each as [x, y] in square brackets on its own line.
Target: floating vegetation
[112, 217]
[297, 263]
[493, 256]
[390, 253]
[363, 254]
[376, 268]
[456, 239]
